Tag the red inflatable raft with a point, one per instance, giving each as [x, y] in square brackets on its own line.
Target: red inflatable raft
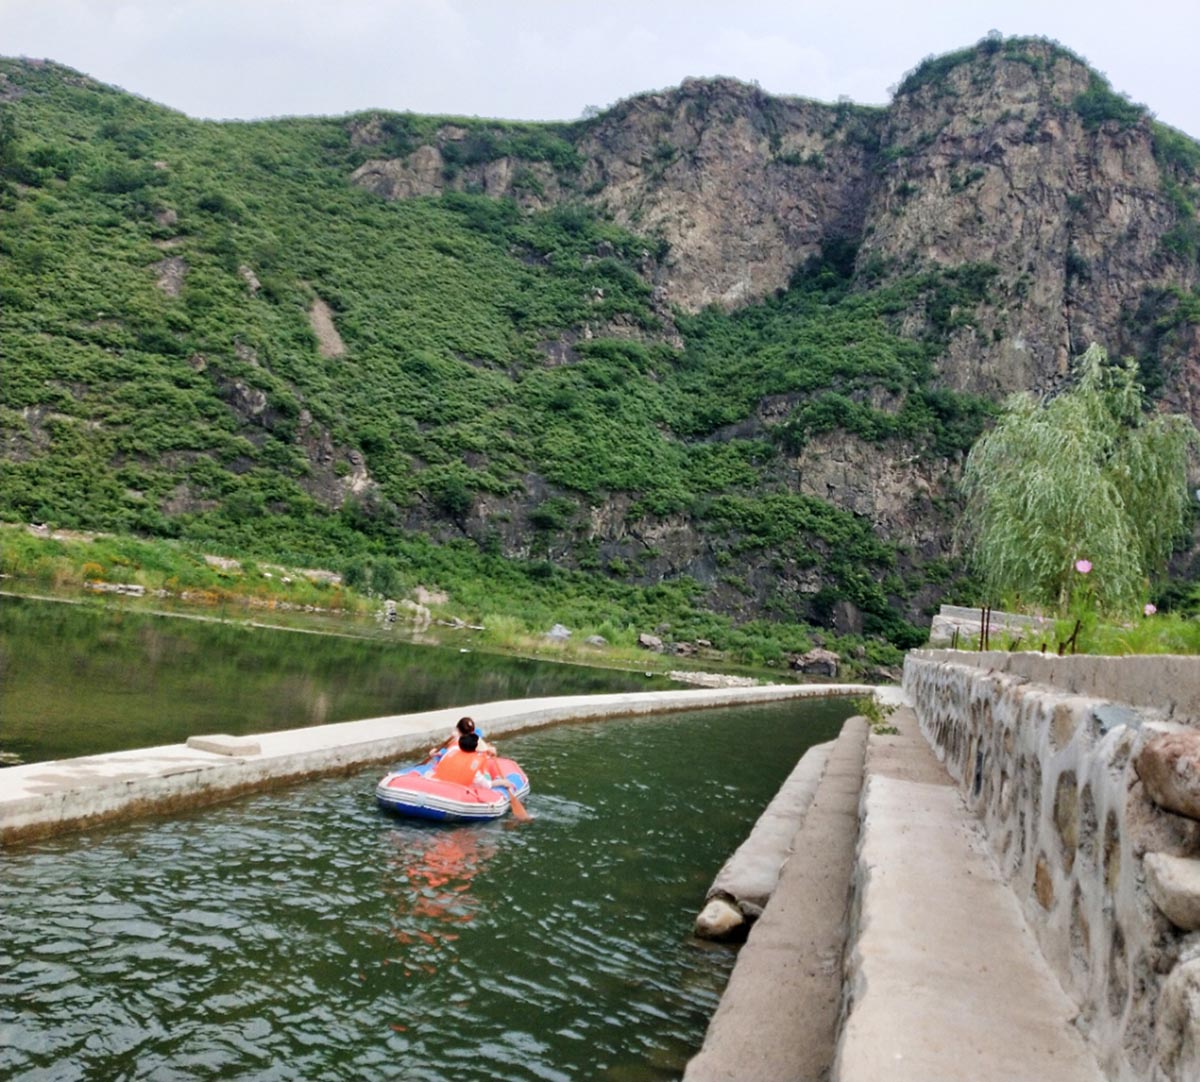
[415, 791]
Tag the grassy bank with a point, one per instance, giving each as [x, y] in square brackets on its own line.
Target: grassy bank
[503, 608]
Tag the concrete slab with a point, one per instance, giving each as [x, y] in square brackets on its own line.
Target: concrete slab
[945, 981]
[222, 744]
[778, 1017]
[905, 754]
[39, 799]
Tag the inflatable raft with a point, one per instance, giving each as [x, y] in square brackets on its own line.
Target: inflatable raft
[415, 791]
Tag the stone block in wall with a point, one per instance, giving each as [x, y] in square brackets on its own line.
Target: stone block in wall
[1169, 767]
[1177, 1023]
[1173, 883]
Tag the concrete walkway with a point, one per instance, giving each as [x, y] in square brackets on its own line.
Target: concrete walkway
[945, 980]
[39, 799]
[891, 948]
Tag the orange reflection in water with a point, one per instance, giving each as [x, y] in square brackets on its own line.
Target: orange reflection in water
[430, 884]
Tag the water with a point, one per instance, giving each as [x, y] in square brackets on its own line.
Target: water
[304, 934]
[83, 679]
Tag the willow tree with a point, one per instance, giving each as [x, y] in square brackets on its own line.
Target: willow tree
[1087, 475]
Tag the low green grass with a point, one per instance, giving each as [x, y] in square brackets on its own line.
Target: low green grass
[1158, 633]
[514, 603]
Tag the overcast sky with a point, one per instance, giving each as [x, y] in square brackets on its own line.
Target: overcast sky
[549, 59]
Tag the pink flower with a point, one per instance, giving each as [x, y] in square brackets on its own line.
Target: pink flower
[1148, 609]
[1083, 566]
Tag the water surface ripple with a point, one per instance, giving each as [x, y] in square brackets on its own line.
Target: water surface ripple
[304, 934]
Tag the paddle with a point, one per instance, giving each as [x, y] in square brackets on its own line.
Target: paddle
[518, 809]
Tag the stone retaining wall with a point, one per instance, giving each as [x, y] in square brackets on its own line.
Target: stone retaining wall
[1082, 771]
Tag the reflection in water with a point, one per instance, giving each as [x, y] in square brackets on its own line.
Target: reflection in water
[84, 679]
[429, 881]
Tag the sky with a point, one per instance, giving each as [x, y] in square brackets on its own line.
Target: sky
[551, 59]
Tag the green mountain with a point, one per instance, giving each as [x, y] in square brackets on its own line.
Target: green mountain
[708, 351]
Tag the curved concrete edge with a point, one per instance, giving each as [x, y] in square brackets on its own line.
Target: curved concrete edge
[41, 799]
[778, 1016]
[748, 878]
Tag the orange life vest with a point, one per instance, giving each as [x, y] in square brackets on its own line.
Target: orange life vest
[461, 766]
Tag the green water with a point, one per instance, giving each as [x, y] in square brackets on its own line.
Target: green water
[304, 934]
[82, 679]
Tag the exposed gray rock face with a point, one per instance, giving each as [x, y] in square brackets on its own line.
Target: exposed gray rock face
[424, 172]
[989, 163]
[888, 485]
[992, 164]
[742, 186]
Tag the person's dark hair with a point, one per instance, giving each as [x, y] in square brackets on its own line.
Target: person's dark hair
[468, 742]
[466, 725]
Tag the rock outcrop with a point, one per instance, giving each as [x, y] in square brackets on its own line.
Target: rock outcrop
[989, 157]
[995, 163]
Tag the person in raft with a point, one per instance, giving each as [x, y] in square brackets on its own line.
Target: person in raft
[463, 726]
[472, 766]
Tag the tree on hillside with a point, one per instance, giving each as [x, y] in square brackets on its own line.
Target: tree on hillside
[1088, 475]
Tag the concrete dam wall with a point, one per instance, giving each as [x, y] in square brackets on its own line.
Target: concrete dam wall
[1085, 773]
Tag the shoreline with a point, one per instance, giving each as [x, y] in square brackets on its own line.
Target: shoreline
[656, 663]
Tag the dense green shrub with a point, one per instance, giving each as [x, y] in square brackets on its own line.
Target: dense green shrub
[1100, 103]
[1175, 150]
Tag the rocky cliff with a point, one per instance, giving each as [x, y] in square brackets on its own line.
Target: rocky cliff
[999, 161]
[1012, 154]
[1012, 158]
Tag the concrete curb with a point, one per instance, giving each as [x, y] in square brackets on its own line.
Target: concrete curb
[778, 1016]
[41, 799]
[747, 879]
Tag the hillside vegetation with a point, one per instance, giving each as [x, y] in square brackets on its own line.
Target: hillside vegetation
[211, 334]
